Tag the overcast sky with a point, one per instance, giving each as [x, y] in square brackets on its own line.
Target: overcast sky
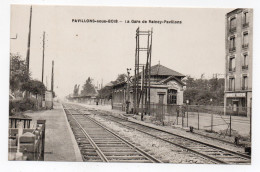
[102, 51]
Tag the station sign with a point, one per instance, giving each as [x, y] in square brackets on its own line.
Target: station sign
[235, 94]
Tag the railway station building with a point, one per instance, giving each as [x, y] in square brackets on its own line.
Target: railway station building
[238, 65]
[166, 88]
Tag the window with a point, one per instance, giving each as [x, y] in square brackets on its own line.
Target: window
[232, 65]
[232, 45]
[232, 24]
[245, 61]
[245, 19]
[245, 40]
[231, 84]
[244, 82]
[172, 96]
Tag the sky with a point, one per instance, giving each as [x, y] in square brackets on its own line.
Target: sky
[102, 50]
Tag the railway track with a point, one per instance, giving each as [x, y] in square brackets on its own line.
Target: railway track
[214, 153]
[211, 152]
[99, 144]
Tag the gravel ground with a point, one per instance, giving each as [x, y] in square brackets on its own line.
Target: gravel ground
[183, 132]
[162, 150]
[176, 130]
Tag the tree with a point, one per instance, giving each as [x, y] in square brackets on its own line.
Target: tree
[120, 78]
[200, 91]
[18, 72]
[76, 90]
[88, 88]
[105, 92]
[33, 86]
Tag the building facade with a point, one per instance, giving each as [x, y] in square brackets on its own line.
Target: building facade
[166, 88]
[238, 68]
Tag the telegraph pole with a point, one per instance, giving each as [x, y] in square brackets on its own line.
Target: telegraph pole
[52, 76]
[43, 47]
[128, 90]
[29, 43]
[52, 82]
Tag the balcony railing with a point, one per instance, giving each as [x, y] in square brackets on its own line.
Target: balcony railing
[246, 24]
[245, 67]
[244, 88]
[232, 69]
[232, 49]
[231, 89]
[245, 46]
[233, 29]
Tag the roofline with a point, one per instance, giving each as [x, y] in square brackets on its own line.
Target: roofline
[120, 83]
[235, 10]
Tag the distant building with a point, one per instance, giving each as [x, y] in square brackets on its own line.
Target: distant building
[166, 88]
[239, 49]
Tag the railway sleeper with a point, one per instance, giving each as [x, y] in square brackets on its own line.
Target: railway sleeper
[132, 161]
[121, 153]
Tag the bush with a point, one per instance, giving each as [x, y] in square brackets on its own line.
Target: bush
[21, 105]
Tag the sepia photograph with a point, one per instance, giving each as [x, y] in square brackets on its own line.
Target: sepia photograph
[130, 84]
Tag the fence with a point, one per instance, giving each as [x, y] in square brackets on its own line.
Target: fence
[119, 106]
[29, 143]
[224, 120]
[220, 119]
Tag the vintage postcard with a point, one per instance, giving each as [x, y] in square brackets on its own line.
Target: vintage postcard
[130, 84]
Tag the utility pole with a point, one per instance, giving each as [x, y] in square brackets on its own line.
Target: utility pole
[52, 82]
[43, 49]
[128, 90]
[52, 76]
[144, 92]
[29, 43]
[142, 95]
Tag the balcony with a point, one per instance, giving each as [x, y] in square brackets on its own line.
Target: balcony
[244, 88]
[232, 49]
[232, 69]
[230, 89]
[244, 46]
[245, 67]
[233, 29]
[245, 24]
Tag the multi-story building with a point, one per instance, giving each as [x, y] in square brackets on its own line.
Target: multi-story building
[239, 49]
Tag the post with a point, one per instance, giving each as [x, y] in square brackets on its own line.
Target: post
[28, 51]
[182, 114]
[178, 112]
[177, 120]
[250, 116]
[211, 128]
[142, 91]
[230, 125]
[128, 90]
[187, 101]
[149, 75]
[43, 47]
[52, 77]
[52, 83]
[29, 43]
[198, 119]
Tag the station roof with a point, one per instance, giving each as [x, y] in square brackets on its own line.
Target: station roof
[164, 71]
[172, 77]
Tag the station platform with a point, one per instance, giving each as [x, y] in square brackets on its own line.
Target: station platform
[60, 143]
